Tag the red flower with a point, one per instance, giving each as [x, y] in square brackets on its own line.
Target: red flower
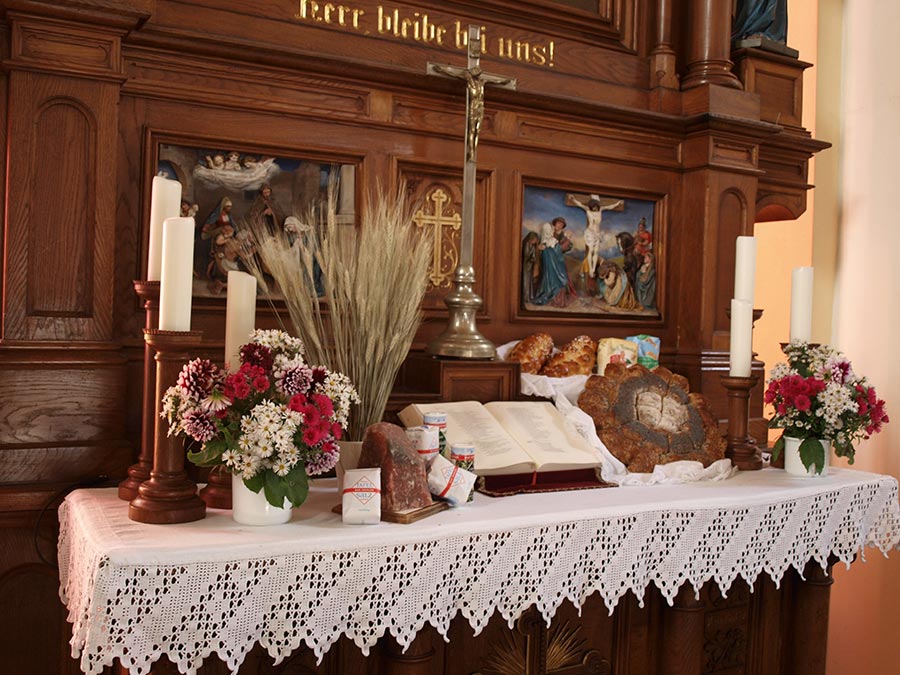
[297, 402]
[311, 415]
[236, 387]
[802, 402]
[336, 431]
[312, 435]
[260, 383]
[255, 354]
[324, 404]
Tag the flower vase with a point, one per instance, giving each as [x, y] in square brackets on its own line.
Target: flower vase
[251, 508]
[793, 464]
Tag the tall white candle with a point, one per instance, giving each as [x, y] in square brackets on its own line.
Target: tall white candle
[741, 354]
[240, 315]
[176, 277]
[745, 268]
[165, 202]
[801, 303]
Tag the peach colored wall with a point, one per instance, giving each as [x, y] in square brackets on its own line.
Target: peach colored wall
[782, 246]
[865, 610]
[849, 235]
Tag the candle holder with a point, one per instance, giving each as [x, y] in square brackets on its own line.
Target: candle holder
[741, 447]
[168, 496]
[148, 291]
[217, 493]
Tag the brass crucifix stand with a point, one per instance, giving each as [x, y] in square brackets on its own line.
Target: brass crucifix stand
[461, 337]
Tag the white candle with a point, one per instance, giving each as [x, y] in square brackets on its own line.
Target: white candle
[801, 303]
[240, 316]
[165, 202]
[176, 277]
[745, 268]
[741, 354]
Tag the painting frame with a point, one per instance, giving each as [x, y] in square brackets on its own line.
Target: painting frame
[286, 159]
[586, 301]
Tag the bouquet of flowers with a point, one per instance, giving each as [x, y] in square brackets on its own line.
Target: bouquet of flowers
[817, 395]
[274, 422]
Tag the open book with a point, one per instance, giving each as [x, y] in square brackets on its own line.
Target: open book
[511, 437]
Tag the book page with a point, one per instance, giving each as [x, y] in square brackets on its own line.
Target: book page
[496, 452]
[540, 429]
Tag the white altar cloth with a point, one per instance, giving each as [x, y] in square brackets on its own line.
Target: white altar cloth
[135, 591]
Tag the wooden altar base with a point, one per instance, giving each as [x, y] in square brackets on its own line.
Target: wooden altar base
[766, 632]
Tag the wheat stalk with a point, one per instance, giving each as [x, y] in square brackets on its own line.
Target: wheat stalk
[374, 277]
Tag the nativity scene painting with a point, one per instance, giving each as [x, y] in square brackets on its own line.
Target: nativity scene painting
[587, 253]
[224, 189]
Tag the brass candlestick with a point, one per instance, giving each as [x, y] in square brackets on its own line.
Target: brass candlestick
[741, 448]
[148, 291]
[168, 496]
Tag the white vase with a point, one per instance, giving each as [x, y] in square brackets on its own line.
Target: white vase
[350, 452]
[251, 508]
[794, 465]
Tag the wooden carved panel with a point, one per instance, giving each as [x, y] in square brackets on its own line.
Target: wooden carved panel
[61, 221]
[438, 195]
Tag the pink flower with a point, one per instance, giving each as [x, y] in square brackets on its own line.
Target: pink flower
[199, 425]
[196, 378]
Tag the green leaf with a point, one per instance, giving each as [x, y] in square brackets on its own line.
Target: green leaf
[297, 485]
[778, 448]
[208, 455]
[812, 454]
[275, 488]
[255, 484]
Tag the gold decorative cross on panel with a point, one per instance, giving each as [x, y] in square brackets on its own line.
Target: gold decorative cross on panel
[461, 338]
[439, 277]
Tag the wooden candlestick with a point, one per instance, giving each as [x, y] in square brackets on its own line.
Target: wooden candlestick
[741, 448]
[217, 493]
[168, 496]
[148, 291]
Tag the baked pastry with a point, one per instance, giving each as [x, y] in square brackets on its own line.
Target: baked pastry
[578, 357]
[646, 418]
[532, 352]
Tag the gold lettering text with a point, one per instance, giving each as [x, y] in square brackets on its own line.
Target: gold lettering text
[505, 48]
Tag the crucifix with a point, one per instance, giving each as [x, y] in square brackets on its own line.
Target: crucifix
[461, 337]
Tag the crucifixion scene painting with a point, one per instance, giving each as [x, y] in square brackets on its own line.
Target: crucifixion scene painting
[224, 188]
[588, 253]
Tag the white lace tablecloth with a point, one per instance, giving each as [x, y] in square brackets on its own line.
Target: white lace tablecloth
[135, 592]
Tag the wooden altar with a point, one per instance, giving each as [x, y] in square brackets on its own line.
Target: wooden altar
[637, 99]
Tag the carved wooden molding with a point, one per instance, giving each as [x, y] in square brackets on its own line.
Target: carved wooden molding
[61, 47]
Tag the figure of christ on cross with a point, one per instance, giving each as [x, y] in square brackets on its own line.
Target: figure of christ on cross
[461, 338]
[593, 207]
[476, 79]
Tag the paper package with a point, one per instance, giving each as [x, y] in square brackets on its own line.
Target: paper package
[361, 496]
[450, 482]
[615, 350]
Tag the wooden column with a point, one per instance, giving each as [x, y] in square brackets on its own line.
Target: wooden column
[709, 45]
[808, 639]
[682, 643]
[662, 58]
[415, 661]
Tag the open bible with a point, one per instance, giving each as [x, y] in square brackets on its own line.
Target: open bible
[517, 443]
